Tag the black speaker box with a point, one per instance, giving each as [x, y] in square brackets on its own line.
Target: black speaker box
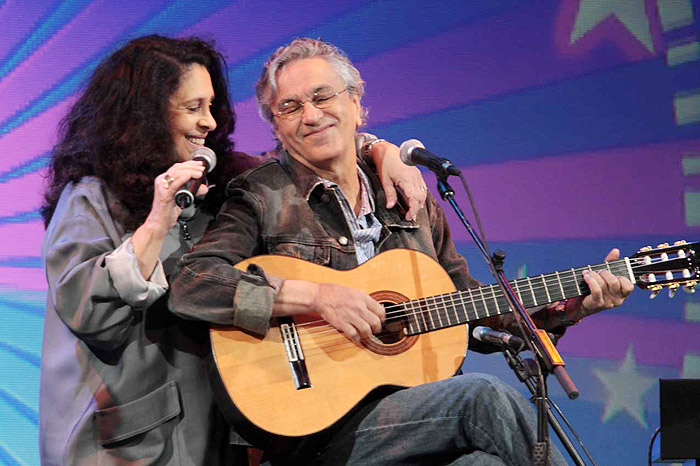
[680, 418]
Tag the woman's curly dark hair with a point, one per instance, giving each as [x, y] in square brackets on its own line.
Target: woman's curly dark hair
[119, 132]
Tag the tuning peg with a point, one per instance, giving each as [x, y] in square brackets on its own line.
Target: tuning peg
[679, 243]
[689, 288]
[646, 248]
[662, 245]
[655, 289]
[672, 289]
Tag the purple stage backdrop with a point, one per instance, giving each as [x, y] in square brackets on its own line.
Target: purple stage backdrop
[576, 122]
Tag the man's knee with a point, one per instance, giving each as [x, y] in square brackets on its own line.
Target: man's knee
[488, 389]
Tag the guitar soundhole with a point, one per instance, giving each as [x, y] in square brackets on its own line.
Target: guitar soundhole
[393, 331]
[392, 339]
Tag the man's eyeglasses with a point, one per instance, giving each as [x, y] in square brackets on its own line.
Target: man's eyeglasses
[293, 108]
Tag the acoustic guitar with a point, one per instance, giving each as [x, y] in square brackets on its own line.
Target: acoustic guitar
[304, 375]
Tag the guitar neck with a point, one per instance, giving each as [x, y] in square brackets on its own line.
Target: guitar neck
[461, 307]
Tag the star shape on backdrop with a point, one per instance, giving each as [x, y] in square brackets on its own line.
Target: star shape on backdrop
[625, 389]
[631, 13]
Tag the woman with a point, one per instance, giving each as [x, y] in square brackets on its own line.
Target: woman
[122, 378]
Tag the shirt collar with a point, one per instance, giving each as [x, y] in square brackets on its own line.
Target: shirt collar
[366, 195]
[307, 182]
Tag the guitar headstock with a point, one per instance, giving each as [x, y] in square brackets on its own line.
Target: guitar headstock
[667, 266]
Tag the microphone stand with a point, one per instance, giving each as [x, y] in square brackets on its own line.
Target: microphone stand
[547, 358]
[525, 370]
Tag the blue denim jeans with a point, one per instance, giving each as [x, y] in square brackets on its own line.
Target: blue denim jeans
[471, 419]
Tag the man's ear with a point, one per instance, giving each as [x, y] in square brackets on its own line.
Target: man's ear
[275, 132]
[358, 111]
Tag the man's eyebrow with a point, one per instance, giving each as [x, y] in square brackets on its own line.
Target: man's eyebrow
[322, 87]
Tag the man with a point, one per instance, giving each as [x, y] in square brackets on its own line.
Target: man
[319, 202]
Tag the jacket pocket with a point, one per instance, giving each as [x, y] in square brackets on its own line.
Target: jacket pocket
[143, 431]
[136, 417]
[309, 251]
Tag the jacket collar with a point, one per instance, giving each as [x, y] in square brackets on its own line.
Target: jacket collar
[308, 183]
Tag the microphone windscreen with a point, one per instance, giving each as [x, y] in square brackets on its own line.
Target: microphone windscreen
[478, 332]
[406, 148]
[205, 153]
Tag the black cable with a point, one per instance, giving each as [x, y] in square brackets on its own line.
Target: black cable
[651, 444]
[552, 404]
[476, 213]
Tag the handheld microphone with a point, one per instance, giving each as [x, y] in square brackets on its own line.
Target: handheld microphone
[413, 152]
[184, 197]
[498, 338]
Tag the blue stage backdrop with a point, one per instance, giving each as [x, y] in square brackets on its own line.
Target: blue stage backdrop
[576, 122]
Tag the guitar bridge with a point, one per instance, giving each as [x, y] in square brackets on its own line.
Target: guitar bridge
[295, 354]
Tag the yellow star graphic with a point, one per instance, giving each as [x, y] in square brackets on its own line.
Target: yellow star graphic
[631, 13]
[625, 389]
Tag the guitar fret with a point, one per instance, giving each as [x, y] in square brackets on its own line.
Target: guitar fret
[412, 324]
[475, 305]
[561, 288]
[483, 299]
[423, 328]
[461, 298]
[450, 309]
[622, 268]
[467, 299]
[498, 308]
[544, 282]
[532, 291]
[473, 301]
[504, 303]
[440, 305]
[430, 314]
[439, 309]
[517, 291]
[447, 312]
[628, 268]
[578, 289]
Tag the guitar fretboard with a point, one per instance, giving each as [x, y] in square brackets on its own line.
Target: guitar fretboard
[461, 307]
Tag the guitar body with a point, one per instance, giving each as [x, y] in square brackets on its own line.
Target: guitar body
[257, 379]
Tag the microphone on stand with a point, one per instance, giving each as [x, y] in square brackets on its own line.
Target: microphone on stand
[184, 197]
[490, 335]
[413, 152]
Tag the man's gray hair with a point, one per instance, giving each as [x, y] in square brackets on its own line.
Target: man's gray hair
[298, 49]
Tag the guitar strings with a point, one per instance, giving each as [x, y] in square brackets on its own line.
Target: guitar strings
[336, 341]
[426, 307]
[475, 294]
[421, 306]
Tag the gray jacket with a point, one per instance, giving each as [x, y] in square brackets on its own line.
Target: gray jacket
[122, 379]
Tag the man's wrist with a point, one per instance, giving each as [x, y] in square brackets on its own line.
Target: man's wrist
[564, 313]
[367, 148]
